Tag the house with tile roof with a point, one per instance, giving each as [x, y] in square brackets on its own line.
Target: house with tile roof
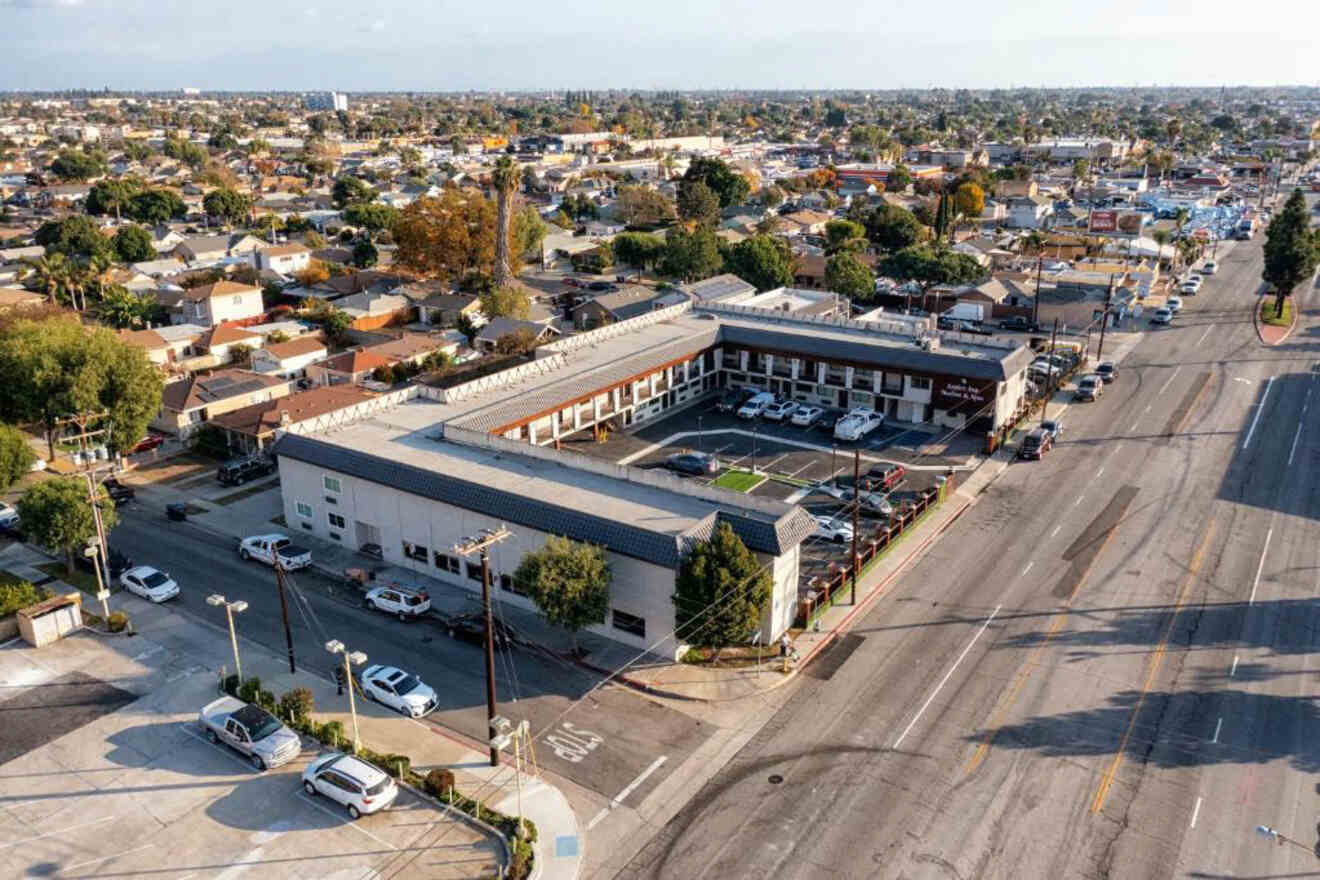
[252, 428]
[284, 258]
[189, 403]
[220, 341]
[348, 368]
[289, 359]
[212, 304]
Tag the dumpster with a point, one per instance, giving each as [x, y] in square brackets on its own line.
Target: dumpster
[50, 620]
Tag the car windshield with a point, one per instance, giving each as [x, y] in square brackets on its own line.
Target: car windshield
[264, 728]
[155, 579]
[406, 685]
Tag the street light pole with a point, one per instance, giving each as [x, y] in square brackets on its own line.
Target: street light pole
[1104, 320]
[482, 544]
[351, 659]
[231, 608]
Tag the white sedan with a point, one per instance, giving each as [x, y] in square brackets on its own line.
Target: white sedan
[777, 412]
[150, 584]
[401, 691]
[807, 415]
[836, 530]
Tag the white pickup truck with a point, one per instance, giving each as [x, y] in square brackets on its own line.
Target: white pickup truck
[857, 424]
[250, 730]
[268, 548]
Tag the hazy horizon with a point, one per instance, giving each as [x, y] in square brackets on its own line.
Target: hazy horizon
[737, 44]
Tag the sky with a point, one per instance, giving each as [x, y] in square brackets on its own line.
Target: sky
[445, 45]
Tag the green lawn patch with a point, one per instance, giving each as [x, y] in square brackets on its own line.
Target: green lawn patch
[739, 481]
[1268, 314]
[80, 579]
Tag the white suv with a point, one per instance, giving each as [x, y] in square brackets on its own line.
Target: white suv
[401, 691]
[357, 785]
[402, 602]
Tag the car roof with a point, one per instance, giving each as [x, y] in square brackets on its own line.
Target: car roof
[142, 570]
[357, 769]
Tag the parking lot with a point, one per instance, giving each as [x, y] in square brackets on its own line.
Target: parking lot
[137, 790]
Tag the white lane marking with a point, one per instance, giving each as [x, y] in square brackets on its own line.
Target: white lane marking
[926, 705]
[1232, 672]
[348, 823]
[105, 858]
[1205, 334]
[1296, 437]
[10, 642]
[1263, 551]
[53, 833]
[1218, 726]
[1259, 409]
[1028, 567]
[1078, 501]
[618, 799]
[1098, 473]
[1169, 381]
[1147, 409]
[1134, 426]
[1056, 531]
[1196, 812]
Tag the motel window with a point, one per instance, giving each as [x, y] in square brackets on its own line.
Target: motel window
[415, 551]
[445, 562]
[474, 571]
[336, 521]
[919, 383]
[332, 484]
[508, 584]
[304, 510]
[894, 383]
[629, 623]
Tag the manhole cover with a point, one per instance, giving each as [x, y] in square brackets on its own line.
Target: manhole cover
[775, 779]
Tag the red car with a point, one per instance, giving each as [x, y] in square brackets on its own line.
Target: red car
[151, 441]
[572, 282]
[887, 475]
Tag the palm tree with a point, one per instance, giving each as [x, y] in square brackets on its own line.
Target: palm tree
[99, 267]
[506, 178]
[52, 275]
[1035, 240]
[1180, 218]
[1161, 237]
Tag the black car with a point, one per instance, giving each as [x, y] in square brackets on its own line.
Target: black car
[118, 563]
[1017, 322]
[177, 511]
[829, 419]
[118, 492]
[1035, 444]
[733, 398]
[602, 286]
[472, 628]
[1107, 371]
[696, 463]
[240, 470]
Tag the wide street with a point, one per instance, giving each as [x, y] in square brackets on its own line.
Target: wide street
[629, 732]
[1101, 670]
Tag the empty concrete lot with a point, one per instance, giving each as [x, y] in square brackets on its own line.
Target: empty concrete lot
[137, 791]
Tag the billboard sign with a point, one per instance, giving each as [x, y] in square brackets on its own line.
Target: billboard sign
[1104, 221]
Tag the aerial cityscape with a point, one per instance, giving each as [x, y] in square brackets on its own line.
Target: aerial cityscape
[687, 463]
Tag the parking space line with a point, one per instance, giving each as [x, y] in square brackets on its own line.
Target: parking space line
[356, 827]
[1056, 530]
[1218, 726]
[224, 750]
[53, 833]
[77, 865]
[1028, 567]
[1196, 812]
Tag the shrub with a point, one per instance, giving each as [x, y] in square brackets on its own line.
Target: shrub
[438, 782]
[248, 690]
[230, 684]
[332, 732]
[297, 704]
[20, 594]
[266, 700]
[117, 622]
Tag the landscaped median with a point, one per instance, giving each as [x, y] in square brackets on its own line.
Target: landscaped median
[1272, 315]
[438, 785]
[739, 480]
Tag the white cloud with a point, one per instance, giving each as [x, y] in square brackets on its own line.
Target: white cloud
[41, 4]
[311, 12]
[375, 27]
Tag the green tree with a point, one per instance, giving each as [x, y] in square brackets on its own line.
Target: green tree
[638, 249]
[720, 592]
[698, 203]
[691, 256]
[505, 177]
[642, 206]
[350, 190]
[57, 367]
[846, 274]
[1291, 253]
[898, 178]
[772, 197]
[16, 456]
[365, 254]
[133, 244]
[929, 266]
[190, 154]
[762, 260]
[844, 236]
[334, 322]
[569, 581]
[51, 275]
[57, 513]
[78, 165]
[227, 204]
[155, 206]
[731, 186]
[122, 308]
[371, 216]
[891, 228]
[527, 232]
[76, 236]
[110, 197]
[506, 302]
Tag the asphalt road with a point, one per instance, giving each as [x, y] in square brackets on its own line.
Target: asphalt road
[629, 732]
[1102, 670]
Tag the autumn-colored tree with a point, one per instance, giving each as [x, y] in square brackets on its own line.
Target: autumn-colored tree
[449, 237]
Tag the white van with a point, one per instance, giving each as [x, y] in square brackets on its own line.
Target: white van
[756, 405]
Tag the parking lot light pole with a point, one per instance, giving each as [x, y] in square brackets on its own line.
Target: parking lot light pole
[857, 505]
[231, 608]
[351, 659]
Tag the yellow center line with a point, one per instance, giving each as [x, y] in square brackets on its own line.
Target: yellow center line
[1193, 569]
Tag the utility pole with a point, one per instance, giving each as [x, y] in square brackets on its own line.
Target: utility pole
[284, 605]
[481, 544]
[1035, 303]
[1104, 319]
[857, 504]
[101, 558]
[1051, 372]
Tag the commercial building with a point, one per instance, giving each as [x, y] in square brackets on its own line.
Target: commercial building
[332, 101]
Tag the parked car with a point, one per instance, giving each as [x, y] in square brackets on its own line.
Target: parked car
[807, 415]
[1053, 427]
[147, 443]
[970, 327]
[177, 511]
[402, 691]
[404, 603]
[1107, 371]
[8, 516]
[602, 286]
[360, 788]
[1162, 315]
[1089, 387]
[887, 475]
[1035, 445]
[1174, 304]
[1211, 267]
[372, 551]
[756, 405]
[1188, 289]
[118, 492]
[249, 730]
[778, 411]
[857, 424]
[240, 470]
[732, 399]
[117, 562]
[698, 464]
[472, 628]
[269, 548]
[836, 530]
[829, 419]
[1018, 322]
[150, 584]
[1195, 280]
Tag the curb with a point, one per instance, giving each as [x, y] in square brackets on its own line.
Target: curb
[473, 821]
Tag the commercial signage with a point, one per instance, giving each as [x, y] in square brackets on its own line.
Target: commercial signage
[970, 391]
[1130, 222]
[1104, 221]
